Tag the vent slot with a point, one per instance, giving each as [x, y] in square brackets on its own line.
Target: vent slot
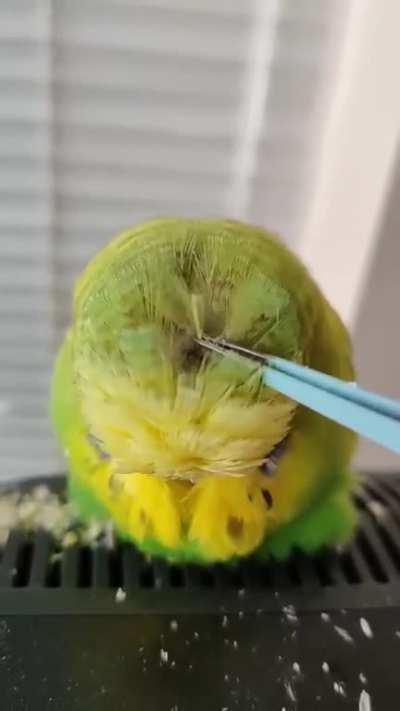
[377, 571]
[380, 531]
[146, 578]
[20, 577]
[70, 567]
[322, 566]
[350, 570]
[53, 577]
[115, 569]
[392, 491]
[177, 576]
[45, 558]
[202, 578]
[294, 572]
[373, 558]
[85, 561]
[100, 567]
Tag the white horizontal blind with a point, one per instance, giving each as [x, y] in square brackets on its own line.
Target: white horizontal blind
[113, 111]
[26, 299]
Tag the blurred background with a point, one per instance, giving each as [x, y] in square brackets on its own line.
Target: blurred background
[282, 113]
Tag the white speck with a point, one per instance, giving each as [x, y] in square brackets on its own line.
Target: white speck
[226, 642]
[56, 557]
[109, 536]
[364, 702]
[366, 628]
[120, 595]
[241, 615]
[225, 621]
[344, 634]
[226, 677]
[173, 625]
[241, 592]
[290, 613]
[339, 688]
[172, 665]
[235, 644]
[163, 656]
[289, 691]
[325, 667]
[70, 539]
[377, 509]
[363, 678]
[41, 492]
[397, 633]
[92, 532]
[190, 666]
[296, 667]
[196, 635]
[224, 708]
[141, 650]
[325, 617]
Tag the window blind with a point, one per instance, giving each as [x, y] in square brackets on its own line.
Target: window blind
[114, 111]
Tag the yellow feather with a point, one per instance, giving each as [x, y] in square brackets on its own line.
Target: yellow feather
[229, 516]
[154, 511]
[144, 431]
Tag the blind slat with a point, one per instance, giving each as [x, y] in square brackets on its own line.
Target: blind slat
[113, 113]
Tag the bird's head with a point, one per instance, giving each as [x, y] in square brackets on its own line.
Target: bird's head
[154, 400]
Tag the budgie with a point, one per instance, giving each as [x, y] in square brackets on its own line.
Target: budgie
[189, 454]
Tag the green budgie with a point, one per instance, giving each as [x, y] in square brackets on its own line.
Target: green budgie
[186, 451]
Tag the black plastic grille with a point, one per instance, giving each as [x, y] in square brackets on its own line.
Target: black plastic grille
[373, 559]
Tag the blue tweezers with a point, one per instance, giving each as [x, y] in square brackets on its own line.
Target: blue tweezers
[373, 416]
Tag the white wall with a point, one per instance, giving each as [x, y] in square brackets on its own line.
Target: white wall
[377, 328]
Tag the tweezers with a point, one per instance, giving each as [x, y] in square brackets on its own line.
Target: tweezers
[371, 415]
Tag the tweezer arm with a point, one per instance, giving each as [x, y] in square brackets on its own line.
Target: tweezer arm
[373, 416]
